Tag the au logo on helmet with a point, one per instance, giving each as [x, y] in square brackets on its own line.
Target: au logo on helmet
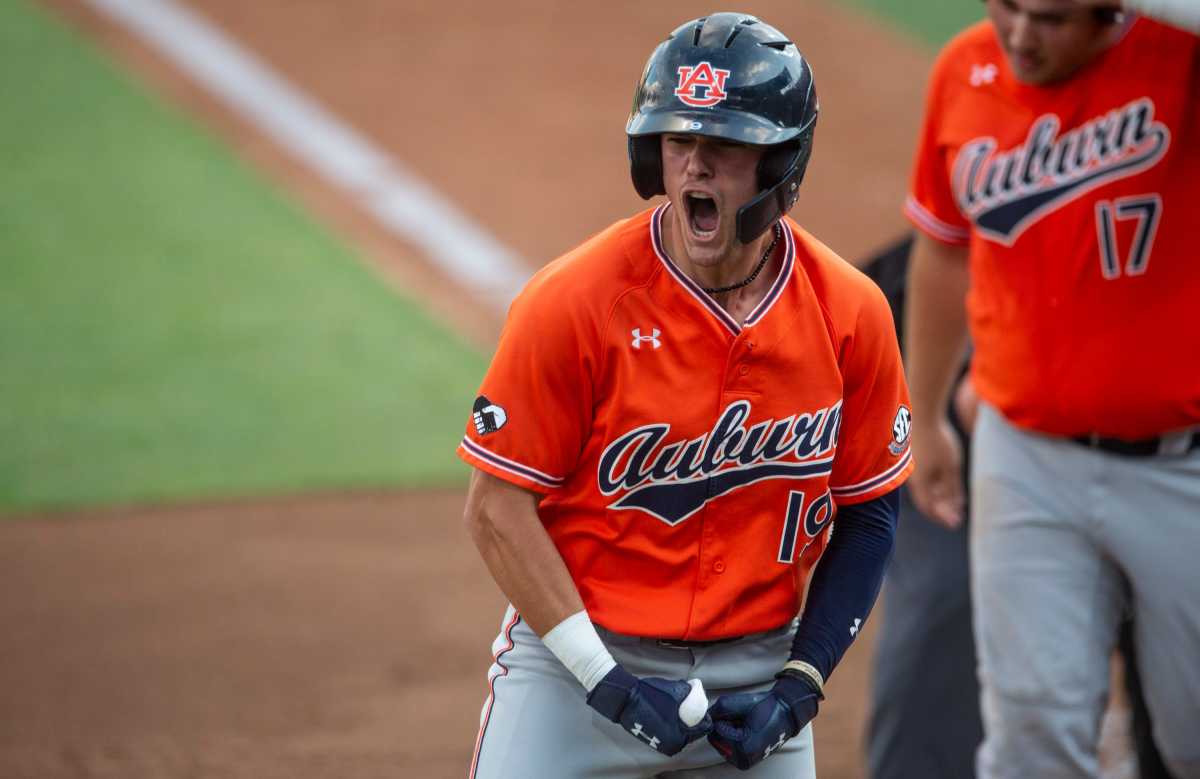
[701, 77]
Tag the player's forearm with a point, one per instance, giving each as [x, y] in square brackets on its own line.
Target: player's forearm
[846, 582]
[503, 522]
[1184, 14]
[935, 325]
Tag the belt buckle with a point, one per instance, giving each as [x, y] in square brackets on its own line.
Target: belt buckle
[1178, 443]
[670, 643]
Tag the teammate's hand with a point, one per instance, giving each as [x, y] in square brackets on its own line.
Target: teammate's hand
[648, 708]
[966, 404]
[748, 727]
[936, 483]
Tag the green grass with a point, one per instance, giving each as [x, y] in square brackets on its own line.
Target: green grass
[171, 327]
[932, 21]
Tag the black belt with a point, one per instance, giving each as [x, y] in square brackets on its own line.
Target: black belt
[1143, 447]
[679, 643]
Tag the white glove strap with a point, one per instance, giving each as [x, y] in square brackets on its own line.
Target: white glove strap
[577, 645]
[1181, 13]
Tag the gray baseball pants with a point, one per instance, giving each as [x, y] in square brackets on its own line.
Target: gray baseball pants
[1064, 540]
[536, 723]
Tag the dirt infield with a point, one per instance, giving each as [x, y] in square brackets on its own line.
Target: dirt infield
[338, 636]
[349, 635]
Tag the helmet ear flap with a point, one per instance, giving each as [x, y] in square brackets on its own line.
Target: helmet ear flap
[776, 163]
[645, 165]
[780, 172]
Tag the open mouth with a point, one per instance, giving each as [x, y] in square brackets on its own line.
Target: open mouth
[1026, 60]
[702, 212]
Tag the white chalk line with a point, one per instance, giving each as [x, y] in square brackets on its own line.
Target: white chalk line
[378, 183]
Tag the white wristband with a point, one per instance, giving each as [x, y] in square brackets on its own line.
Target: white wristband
[1180, 13]
[577, 645]
[810, 671]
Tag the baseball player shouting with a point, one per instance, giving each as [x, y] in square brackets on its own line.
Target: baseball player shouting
[1057, 188]
[678, 412]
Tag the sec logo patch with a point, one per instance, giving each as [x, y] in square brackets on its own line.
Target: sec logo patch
[901, 427]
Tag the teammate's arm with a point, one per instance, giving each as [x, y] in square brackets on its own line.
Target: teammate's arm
[935, 335]
[1184, 14]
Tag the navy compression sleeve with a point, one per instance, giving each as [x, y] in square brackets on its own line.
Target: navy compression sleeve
[847, 581]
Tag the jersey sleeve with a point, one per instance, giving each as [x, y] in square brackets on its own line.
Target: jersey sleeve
[873, 456]
[930, 204]
[530, 420]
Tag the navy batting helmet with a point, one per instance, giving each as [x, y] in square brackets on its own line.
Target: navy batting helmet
[728, 76]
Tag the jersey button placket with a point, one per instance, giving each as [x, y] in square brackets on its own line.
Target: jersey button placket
[719, 565]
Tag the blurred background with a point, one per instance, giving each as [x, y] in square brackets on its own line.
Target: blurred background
[256, 256]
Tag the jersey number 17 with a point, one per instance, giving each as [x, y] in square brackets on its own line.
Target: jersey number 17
[1146, 209]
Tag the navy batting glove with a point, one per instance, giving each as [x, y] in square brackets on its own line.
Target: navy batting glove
[749, 726]
[648, 708]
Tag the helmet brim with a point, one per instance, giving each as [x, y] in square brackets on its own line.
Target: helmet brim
[738, 126]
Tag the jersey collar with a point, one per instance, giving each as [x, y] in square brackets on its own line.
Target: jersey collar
[694, 289]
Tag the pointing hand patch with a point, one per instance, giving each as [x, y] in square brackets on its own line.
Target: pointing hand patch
[488, 417]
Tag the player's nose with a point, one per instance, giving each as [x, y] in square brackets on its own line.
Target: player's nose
[1020, 33]
[699, 160]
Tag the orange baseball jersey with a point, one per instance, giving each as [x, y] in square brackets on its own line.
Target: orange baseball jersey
[1079, 202]
[691, 466]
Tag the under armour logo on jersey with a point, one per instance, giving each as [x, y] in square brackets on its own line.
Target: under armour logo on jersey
[652, 339]
[488, 417]
[855, 626]
[642, 734]
[983, 74]
[704, 77]
[767, 752]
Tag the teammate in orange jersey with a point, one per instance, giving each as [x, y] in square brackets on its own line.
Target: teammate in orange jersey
[677, 414]
[1057, 188]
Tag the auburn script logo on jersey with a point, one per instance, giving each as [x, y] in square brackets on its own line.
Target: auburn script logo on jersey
[674, 480]
[1005, 192]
